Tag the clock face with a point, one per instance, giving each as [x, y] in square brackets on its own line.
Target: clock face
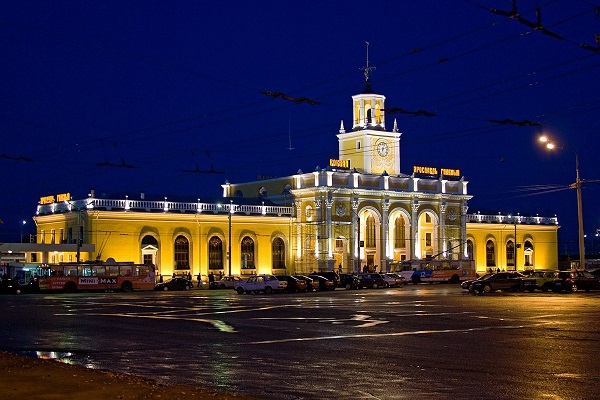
[383, 149]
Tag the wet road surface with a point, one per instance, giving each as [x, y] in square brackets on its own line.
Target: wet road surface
[416, 342]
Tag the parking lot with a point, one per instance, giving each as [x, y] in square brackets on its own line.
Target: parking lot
[417, 341]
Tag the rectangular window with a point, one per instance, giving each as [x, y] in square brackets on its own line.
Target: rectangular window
[428, 239]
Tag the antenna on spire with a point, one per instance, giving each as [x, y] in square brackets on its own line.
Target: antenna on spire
[367, 70]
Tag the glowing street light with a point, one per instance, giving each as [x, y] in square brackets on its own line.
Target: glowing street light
[23, 222]
[577, 185]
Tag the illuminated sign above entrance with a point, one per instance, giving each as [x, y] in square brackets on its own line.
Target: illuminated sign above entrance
[52, 199]
[339, 164]
[433, 171]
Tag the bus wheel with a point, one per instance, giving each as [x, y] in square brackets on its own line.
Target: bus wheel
[127, 286]
[416, 280]
[70, 287]
[454, 279]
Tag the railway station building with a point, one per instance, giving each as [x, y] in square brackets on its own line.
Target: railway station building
[357, 212]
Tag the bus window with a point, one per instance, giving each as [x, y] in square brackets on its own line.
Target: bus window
[142, 270]
[112, 270]
[98, 270]
[71, 270]
[126, 270]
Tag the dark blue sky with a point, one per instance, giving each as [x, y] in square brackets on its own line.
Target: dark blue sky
[165, 86]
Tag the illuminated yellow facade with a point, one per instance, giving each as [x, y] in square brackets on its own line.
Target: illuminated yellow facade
[358, 212]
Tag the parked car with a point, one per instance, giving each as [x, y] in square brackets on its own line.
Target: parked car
[227, 282]
[175, 284]
[539, 280]
[573, 280]
[261, 283]
[391, 280]
[372, 281]
[467, 284]
[293, 284]
[10, 286]
[324, 283]
[331, 275]
[399, 278]
[498, 281]
[311, 284]
[350, 281]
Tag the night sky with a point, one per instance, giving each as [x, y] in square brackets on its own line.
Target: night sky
[130, 96]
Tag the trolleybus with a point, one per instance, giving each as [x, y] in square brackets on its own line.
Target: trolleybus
[97, 275]
[452, 271]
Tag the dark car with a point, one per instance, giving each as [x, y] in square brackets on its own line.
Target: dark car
[311, 284]
[11, 286]
[372, 281]
[175, 284]
[499, 281]
[350, 281]
[331, 275]
[467, 284]
[324, 283]
[294, 284]
[572, 281]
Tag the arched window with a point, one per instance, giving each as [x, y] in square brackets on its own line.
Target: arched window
[399, 233]
[182, 253]
[370, 231]
[528, 253]
[215, 253]
[247, 253]
[510, 253]
[278, 253]
[149, 249]
[490, 254]
[149, 240]
[469, 249]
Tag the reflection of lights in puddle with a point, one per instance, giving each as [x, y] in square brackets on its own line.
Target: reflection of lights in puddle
[567, 375]
[51, 355]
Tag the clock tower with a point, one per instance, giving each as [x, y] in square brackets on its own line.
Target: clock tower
[369, 147]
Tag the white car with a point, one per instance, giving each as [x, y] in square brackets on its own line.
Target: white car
[227, 282]
[399, 278]
[261, 283]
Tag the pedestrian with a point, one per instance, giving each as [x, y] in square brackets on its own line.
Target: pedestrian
[189, 276]
[220, 274]
[211, 278]
[160, 278]
[199, 280]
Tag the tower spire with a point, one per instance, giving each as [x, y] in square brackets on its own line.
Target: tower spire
[367, 69]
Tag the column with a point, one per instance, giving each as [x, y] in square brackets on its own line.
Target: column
[463, 230]
[442, 237]
[328, 205]
[355, 237]
[414, 232]
[385, 206]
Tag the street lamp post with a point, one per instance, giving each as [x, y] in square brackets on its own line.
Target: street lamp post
[577, 185]
[229, 241]
[23, 222]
